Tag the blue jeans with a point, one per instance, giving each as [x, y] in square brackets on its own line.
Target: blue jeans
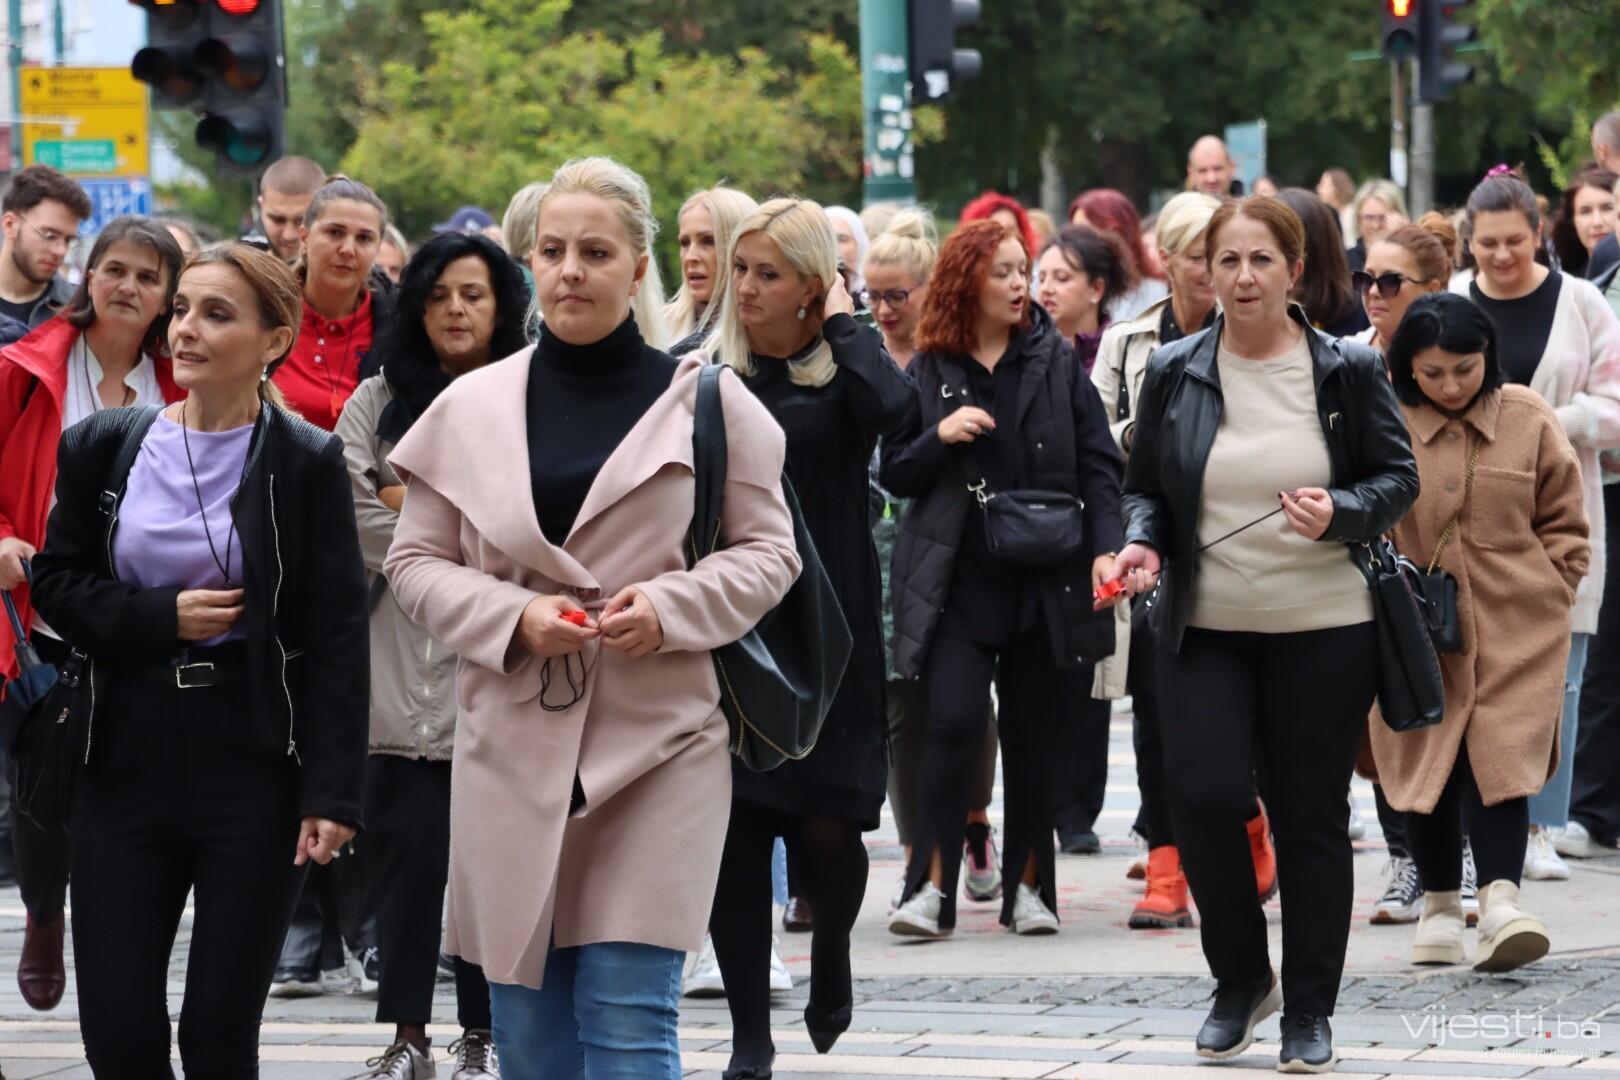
[1549, 808]
[605, 1012]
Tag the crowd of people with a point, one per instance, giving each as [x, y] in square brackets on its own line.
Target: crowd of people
[1040, 468]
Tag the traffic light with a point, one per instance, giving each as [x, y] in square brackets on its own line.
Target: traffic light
[1400, 32]
[224, 60]
[936, 63]
[1438, 72]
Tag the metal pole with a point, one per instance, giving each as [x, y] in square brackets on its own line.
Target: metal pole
[1397, 123]
[1421, 196]
[886, 106]
[14, 56]
[61, 35]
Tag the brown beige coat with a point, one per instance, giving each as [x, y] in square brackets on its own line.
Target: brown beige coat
[1519, 553]
[638, 861]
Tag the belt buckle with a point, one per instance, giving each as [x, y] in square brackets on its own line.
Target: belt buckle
[180, 675]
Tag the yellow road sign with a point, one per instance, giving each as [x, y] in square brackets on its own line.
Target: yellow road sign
[87, 121]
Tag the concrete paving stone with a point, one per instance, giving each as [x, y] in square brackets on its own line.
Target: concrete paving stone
[839, 1064]
[1576, 1073]
[1118, 1071]
[976, 1008]
[1015, 1053]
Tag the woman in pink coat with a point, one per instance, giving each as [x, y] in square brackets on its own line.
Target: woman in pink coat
[590, 782]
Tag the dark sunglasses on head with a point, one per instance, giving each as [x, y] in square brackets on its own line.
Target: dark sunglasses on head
[895, 298]
[1388, 284]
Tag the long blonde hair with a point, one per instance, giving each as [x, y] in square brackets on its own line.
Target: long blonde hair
[727, 207]
[628, 192]
[802, 230]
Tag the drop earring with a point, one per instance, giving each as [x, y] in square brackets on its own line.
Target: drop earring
[801, 314]
[264, 376]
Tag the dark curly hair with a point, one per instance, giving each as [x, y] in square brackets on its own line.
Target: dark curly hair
[1101, 256]
[410, 364]
[950, 315]
[1452, 322]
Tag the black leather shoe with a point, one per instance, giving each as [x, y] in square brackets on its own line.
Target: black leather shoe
[826, 1027]
[796, 917]
[40, 974]
[1080, 842]
[1307, 1045]
[1240, 1005]
[749, 1072]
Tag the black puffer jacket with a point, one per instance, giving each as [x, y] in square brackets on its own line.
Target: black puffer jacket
[1063, 445]
[304, 605]
[1375, 479]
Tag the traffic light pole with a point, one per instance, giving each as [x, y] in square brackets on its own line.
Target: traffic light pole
[1397, 122]
[885, 103]
[1420, 195]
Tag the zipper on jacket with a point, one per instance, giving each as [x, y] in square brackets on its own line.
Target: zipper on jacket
[90, 721]
[275, 626]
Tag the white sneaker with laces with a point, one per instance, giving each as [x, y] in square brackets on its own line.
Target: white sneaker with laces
[899, 893]
[781, 979]
[1574, 842]
[339, 981]
[1402, 901]
[1358, 827]
[919, 916]
[475, 1057]
[705, 980]
[1541, 862]
[1470, 886]
[981, 869]
[402, 1061]
[1030, 913]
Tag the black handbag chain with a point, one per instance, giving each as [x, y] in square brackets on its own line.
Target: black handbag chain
[1468, 486]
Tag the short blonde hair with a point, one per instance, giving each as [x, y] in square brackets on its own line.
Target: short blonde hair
[1183, 220]
[630, 196]
[804, 233]
[522, 219]
[1385, 192]
[727, 208]
[910, 242]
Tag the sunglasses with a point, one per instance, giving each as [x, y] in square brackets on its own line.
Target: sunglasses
[895, 298]
[1388, 284]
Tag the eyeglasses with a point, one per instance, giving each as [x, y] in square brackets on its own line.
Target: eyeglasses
[895, 298]
[52, 238]
[1388, 284]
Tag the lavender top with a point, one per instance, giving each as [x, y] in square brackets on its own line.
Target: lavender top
[160, 541]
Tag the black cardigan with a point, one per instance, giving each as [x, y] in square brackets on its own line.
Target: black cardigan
[305, 595]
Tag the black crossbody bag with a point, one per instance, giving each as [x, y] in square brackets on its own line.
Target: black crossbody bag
[778, 681]
[1027, 526]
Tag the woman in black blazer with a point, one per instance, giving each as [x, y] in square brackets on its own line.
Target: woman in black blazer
[219, 593]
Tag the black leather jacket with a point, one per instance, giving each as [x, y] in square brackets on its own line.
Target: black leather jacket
[1375, 479]
[305, 596]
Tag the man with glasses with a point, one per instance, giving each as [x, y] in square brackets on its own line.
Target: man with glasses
[42, 212]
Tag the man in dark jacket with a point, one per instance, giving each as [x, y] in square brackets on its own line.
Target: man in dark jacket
[41, 214]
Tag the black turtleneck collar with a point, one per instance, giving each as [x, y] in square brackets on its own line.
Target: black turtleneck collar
[612, 355]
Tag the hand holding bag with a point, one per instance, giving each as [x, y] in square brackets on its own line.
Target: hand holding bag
[778, 681]
[1440, 588]
[1411, 694]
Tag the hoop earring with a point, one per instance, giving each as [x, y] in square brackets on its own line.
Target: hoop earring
[264, 376]
[801, 314]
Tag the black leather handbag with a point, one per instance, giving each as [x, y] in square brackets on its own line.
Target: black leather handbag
[778, 681]
[1440, 588]
[1411, 694]
[1027, 526]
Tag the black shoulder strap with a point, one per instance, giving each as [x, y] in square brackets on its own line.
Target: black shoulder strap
[708, 462]
[125, 460]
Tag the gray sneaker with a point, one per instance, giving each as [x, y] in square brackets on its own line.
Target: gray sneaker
[475, 1057]
[402, 1061]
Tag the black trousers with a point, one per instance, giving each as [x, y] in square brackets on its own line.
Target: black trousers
[1499, 833]
[336, 905]
[178, 798]
[1595, 797]
[1153, 820]
[1296, 705]
[408, 840]
[1394, 824]
[1033, 696]
[1082, 767]
[42, 859]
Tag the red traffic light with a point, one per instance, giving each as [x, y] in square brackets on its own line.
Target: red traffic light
[238, 7]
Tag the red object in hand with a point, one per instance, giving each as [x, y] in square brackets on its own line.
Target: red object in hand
[1108, 590]
[578, 618]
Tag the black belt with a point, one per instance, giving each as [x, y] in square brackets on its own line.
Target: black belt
[196, 669]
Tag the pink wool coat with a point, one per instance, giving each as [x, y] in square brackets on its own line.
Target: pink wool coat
[1519, 553]
[638, 861]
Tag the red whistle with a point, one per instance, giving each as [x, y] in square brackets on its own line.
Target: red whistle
[578, 618]
[1108, 590]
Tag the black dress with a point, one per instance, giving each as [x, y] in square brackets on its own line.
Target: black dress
[831, 432]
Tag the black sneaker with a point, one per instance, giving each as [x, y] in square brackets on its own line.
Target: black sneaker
[1079, 842]
[1240, 1005]
[1307, 1045]
[296, 982]
[1402, 902]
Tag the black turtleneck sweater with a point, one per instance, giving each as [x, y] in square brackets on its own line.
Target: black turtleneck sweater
[582, 401]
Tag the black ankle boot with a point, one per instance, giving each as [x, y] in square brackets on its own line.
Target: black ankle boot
[1307, 1045]
[825, 1027]
[749, 1072]
[1240, 1005]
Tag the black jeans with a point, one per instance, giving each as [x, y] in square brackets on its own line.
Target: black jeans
[1296, 705]
[1394, 824]
[408, 840]
[1082, 766]
[907, 704]
[1595, 798]
[1033, 696]
[42, 859]
[336, 905]
[1153, 821]
[1499, 833]
[179, 798]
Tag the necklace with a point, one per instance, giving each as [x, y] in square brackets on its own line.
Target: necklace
[334, 383]
[230, 535]
[90, 384]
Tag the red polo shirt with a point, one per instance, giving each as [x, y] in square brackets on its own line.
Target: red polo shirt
[324, 367]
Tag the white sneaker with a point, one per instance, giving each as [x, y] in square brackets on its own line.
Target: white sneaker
[1573, 841]
[919, 916]
[1470, 886]
[1358, 827]
[705, 980]
[899, 893]
[1541, 862]
[981, 870]
[1030, 913]
[781, 979]
[339, 981]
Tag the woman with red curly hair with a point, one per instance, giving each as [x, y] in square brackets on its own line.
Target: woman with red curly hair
[994, 206]
[1003, 404]
[1109, 211]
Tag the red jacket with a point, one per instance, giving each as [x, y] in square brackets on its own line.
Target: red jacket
[33, 384]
